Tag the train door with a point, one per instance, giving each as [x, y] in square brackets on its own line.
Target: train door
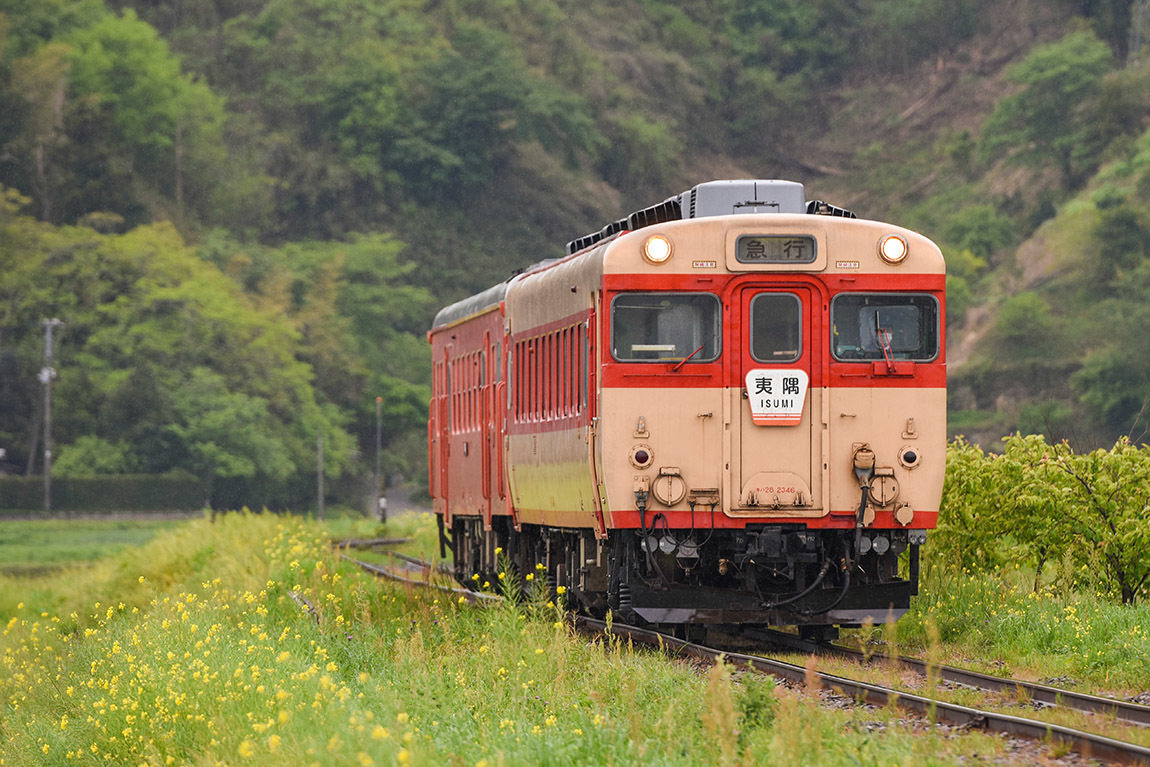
[776, 468]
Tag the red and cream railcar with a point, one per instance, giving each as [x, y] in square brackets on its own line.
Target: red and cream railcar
[727, 408]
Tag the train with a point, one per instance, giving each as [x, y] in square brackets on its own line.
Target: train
[728, 408]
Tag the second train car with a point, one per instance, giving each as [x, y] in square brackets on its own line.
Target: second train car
[728, 408]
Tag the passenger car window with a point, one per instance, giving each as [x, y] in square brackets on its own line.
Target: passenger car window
[872, 326]
[776, 327]
[665, 327]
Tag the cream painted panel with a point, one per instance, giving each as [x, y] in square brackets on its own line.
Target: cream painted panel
[684, 430]
[550, 472]
[880, 417]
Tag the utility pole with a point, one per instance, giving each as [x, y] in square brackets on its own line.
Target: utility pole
[380, 509]
[319, 475]
[47, 374]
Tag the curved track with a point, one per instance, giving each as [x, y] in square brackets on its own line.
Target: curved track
[1087, 743]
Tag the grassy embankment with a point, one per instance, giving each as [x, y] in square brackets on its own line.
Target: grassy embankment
[191, 650]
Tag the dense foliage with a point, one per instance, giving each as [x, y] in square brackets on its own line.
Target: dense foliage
[314, 177]
[171, 365]
[1083, 518]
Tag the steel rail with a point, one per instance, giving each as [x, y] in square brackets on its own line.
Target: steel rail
[368, 543]
[1054, 696]
[1086, 743]
[471, 596]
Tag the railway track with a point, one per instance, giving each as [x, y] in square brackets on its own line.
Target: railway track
[1084, 742]
[1033, 691]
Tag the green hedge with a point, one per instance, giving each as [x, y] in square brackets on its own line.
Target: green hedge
[133, 492]
[179, 492]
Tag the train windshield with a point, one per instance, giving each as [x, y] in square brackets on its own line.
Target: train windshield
[666, 327]
[873, 326]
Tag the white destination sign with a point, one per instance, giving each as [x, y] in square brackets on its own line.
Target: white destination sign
[777, 396]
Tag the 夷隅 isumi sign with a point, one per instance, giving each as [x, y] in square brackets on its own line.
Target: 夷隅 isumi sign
[777, 397]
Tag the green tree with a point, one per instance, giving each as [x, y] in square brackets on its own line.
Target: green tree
[1093, 506]
[1114, 381]
[162, 357]
[1122, 239]
[1053, 115]
[1025, 327]
[979, 229]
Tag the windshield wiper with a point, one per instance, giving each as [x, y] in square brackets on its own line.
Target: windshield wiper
[684, 360]
[884, 339]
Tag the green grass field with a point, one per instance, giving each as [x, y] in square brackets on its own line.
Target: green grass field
[40, 546]
[190, 649]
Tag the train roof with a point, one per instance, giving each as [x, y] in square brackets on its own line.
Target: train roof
[481, 302]
[717, 198]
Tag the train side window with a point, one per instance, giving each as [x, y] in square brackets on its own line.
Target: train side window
[584, 365]
[569, 384]
[536, 377]
[666, 327]
[873, 326]
[776, 327]
[548, 375]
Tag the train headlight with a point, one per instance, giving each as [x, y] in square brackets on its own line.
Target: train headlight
[893, 249]
[657, 249]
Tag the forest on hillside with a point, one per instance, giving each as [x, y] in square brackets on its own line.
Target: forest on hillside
[247, 211]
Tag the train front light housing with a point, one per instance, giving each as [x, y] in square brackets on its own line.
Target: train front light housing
[657, 249]
[893, 249]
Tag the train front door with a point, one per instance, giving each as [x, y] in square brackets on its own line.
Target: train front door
[776, 422]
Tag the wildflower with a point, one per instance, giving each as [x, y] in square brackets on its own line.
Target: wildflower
[379, 733]
[141, 579]
[246, 749]
[498, 549]
[402, 717]
[560, 590]
[530, 576]
[274, 743]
